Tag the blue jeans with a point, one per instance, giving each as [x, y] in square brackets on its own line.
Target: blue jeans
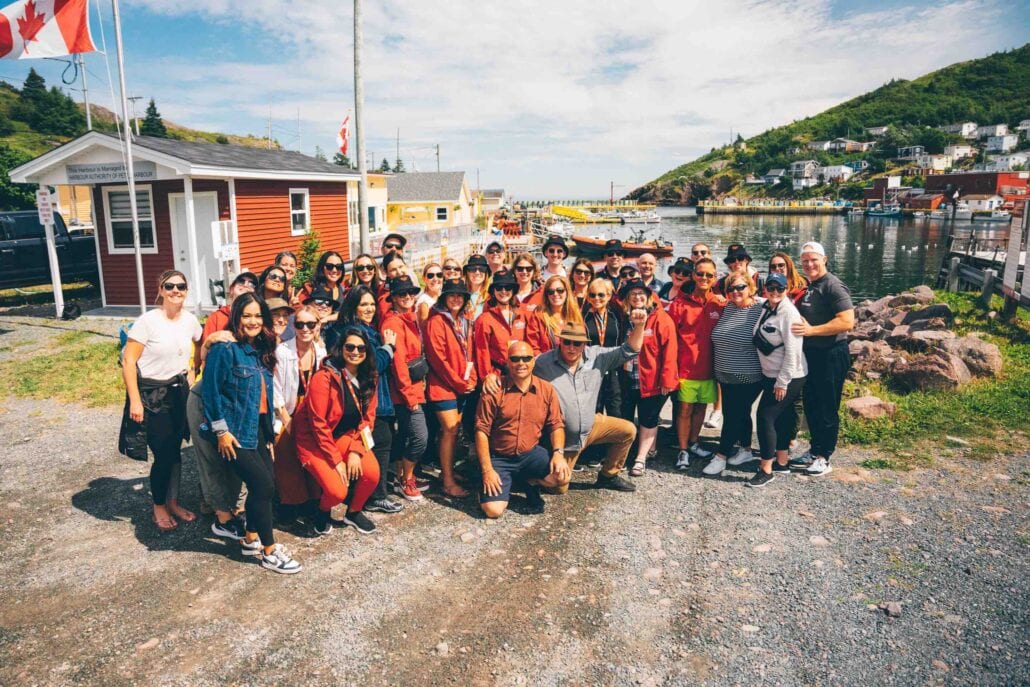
[533, 464]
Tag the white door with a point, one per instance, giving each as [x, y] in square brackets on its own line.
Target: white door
[205, 211]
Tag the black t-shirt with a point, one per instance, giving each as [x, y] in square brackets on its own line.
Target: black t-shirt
[824, 298]
[351, 417]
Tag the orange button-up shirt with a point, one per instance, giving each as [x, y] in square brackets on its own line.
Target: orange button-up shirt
[515, 420]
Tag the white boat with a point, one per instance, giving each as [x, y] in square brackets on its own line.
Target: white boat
[962, 211]
[939, 214]
[884, 210]
[919, 214]
[995, 216]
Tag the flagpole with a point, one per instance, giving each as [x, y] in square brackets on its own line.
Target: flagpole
[129, 171]
[359, 128]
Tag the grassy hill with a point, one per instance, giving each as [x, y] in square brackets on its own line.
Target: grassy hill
[991, 90]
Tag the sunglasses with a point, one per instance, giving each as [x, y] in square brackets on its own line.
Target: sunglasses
[679, 271]
[551, 292]
[627, 273]
[575, 344]
[775, 288]
[599, 294]
[406, 294]
[520, 358]
[615, 254]
[392, 246]
[434, 275]
[451, 268]
[555, 251]
[321, 301]
[174, 286]
[475, 268]
[585, 273]
[276, 277]
[733, 260]
[494, 251]
[504, 288]
[699, 252]
[248, 283]
[304, 325]
[705, 275]
[777, 265]
[351, 348]
[334, 266]
[736, 288]
[523, 268]
[364, 268]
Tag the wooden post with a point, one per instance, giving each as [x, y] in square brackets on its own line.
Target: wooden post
[953, 275]
[988, 288]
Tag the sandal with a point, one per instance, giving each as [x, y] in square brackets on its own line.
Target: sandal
[637, 470]
[183, 514]
[167, 526]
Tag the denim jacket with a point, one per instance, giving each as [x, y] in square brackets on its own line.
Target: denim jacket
[384, 355]
[232, 391]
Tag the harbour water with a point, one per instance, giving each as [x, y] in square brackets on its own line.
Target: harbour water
[874, 256]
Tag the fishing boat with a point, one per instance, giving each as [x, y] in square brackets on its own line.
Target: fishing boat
[889, 210]
[594, 245]
[995, 216]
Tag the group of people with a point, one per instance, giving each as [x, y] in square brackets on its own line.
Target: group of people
[306, 397]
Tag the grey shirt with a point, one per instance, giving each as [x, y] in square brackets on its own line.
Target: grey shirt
[823, 299]
[578, 390]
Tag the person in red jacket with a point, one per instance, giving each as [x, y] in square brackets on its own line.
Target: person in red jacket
[333, 430]
[452, 372]
[651, 376]
[559, 309]
[695, 315]
[502, 322]
[408, 371]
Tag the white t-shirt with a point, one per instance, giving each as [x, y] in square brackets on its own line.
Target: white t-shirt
[167, 344]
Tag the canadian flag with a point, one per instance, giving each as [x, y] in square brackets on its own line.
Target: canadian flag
[343, 135]
[44, 28]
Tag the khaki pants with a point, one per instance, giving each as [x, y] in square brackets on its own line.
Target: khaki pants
[615, 432]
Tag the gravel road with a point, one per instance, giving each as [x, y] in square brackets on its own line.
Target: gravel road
[859, 578]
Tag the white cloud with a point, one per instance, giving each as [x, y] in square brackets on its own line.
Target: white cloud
[557, 98]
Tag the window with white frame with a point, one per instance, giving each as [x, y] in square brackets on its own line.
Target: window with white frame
[118, 211]
[441, 213]
[300, 211]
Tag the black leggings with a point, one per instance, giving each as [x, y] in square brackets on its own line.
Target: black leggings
[382, 435]
[649, 409]
[166, 426]
[777, 420]
[254, 467]
[737, 400]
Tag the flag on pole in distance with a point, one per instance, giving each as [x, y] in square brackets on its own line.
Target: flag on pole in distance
[343, 135]
[44, 28]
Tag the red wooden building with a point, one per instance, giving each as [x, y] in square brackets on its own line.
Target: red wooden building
[205, 209]
[1014, 187]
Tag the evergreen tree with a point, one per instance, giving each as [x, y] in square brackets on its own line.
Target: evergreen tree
[385, 167]
[152, 122]
[319, 155]
[33, 93]
[342, 160]
[14, 196]
[398, 168]
[57, 114]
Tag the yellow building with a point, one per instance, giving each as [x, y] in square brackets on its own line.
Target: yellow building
[377, 200]
[430, 200]
[75, 203]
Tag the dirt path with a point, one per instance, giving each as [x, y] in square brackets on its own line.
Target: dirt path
[689, 580]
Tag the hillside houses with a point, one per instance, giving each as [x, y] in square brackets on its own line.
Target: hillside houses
[877, 131]
[983, 132]
[1002, 143]
[963, 129]
[959, 151]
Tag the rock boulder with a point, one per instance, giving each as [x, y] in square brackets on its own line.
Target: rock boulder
[983, 359]
[934, 371]
[921, 341]
[870, 407]
[942, 310]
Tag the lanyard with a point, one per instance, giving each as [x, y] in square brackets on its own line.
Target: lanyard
[351, 383]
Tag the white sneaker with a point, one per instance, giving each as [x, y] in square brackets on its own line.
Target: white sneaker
[714, 420]
[698, 451]
[743, 455]
[819, 467]
[715, 467]
[683, 460]
[280, 561]
[251, 548]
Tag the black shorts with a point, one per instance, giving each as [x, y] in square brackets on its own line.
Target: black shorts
[533, 464]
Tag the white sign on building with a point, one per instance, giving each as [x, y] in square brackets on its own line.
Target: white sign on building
[110, 172]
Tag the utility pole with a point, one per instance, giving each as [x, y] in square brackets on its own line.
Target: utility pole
[85, 92]
[398, 146]
[300, 148]
[437, 157]
[359, 126]
[269, 127]
[132, 99]
[611, 194]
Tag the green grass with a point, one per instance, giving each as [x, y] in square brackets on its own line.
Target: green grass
[44, 293]
[986, 412]
[75, 369]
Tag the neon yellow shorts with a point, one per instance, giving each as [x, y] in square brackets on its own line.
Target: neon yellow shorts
[697, 391]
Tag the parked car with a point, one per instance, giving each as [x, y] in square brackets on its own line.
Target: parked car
[23, 253]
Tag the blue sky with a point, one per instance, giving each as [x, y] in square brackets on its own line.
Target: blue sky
[548, 99]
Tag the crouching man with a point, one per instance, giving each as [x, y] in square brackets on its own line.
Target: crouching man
[510, 420]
